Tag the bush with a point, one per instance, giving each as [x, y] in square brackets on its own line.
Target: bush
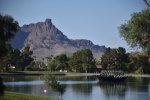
[138, 71]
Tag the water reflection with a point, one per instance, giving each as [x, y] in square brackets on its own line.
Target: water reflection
[21, 78]
[83, 88]
[138, 84]
[113, 88]
[77, 78]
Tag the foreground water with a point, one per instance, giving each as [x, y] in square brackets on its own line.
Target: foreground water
[82, 88]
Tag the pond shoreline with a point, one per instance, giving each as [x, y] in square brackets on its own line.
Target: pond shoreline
[28, 74]
[138, 75]
[63, 74]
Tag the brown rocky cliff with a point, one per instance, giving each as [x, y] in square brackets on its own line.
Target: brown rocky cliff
[44, 39]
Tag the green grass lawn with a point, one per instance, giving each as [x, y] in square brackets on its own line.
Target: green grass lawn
[17, 96]
[46, 72]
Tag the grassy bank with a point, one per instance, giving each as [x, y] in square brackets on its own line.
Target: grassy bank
[138, 75]
[57, 73]
[48, 72]
[37, 73]
[64, 73]
[17, 96]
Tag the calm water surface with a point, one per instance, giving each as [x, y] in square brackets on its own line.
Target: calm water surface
[82, 88]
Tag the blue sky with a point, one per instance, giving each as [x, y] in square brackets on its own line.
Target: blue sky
[96, 20]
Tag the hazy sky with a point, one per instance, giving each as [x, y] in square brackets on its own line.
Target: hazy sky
[96, 20]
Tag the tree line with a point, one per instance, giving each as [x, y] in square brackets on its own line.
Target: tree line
[80, 61]
[119, 59]
[15, 59]
[112, 59]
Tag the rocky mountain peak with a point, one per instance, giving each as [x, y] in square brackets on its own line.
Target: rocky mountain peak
[44, 39]
[48, 20]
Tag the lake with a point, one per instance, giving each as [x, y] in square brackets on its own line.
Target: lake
[82, 87]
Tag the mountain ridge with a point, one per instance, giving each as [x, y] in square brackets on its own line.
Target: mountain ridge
[44, 39]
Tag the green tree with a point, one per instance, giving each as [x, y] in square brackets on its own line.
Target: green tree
[107, 59]
[122, 58]
[140, 63]
[82, 61]
[51, 62]
[75, 62]
[8, 27]
[4, 62]
[36, 66]
[26, 58]
[87, 59]
[61, 61]
[15, 58]
[10, 59]
[55, 85]
[115, 59]
[136, 31]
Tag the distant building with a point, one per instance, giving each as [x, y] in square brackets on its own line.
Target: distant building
[11, 67]
[99, 68]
